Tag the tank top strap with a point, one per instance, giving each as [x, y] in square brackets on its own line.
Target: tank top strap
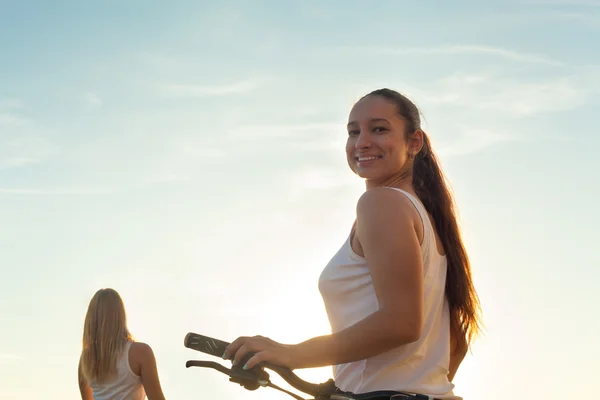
[124, 359]
[428, 234]
[127, 347]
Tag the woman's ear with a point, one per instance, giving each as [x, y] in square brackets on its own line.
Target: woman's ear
[415, 142]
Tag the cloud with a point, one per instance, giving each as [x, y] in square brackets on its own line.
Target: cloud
[10, 119]
[201, 152]
[9, 103]
[11, 357]
[462, 49]
[56, 191]
[308, 137]
[536, 98]
[93, 100]
[507, 95]
[167, 177]
[8, 116]
[592, 3]
[480, 109]
[193, 90]
[158, 60]
[589, 19]
[273, 131]
[183, 162]
[317, 13]
[307, 185]
[470, 140]
[319, 178]
[20, 149]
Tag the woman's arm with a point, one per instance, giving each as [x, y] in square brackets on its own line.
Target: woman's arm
[84, 388]
[387, 233]
[149, 372]
[385, 228]
[458, 350]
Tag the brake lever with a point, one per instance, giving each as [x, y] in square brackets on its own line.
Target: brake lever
[250, 379]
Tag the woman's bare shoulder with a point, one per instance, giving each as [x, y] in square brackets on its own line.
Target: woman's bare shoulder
[141, 351]
[387, 200]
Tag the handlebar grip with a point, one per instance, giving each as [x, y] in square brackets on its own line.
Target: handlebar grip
[205, 344]
[216, 347]
[211, 346]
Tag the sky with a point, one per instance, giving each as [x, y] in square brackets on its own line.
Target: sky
[190, 154]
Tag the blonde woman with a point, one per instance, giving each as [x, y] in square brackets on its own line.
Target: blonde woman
[112, 365]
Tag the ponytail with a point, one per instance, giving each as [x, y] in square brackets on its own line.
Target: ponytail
[432, 189]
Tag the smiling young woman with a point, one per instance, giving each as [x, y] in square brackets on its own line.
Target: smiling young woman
[398, 293]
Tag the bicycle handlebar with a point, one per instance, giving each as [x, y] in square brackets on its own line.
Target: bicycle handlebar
[255, 376]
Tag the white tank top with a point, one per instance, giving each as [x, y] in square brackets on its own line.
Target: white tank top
[126, 385]
[349, 297]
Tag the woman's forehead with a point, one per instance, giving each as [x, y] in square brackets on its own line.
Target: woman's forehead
[373, 109]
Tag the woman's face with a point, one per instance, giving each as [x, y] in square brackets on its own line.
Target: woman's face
[377, 149]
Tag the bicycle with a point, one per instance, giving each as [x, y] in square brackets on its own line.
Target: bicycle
[257, 377]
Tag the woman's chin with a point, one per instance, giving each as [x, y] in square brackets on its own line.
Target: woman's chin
[367, 175]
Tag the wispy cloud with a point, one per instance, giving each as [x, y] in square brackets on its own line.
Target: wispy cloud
[319, 178]
[168, 177]
[199, 90]
[8, 115]
[11, 357]
[511, 96]
[317, 13]
[590, 19]
[159, 60]
[308, 137]
[201, 152]
[10, 103]
[184, 160]
[93, 100]
[10, 119]
[252, 132]
[462, 49]
[21, 149]
[56, 191]
[470, 140]
[592, 3]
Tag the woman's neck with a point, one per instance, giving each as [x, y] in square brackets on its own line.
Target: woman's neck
[400, 181]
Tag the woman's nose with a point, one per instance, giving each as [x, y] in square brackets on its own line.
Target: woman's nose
[363, 141]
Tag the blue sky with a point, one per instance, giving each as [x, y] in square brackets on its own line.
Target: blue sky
[191, 156]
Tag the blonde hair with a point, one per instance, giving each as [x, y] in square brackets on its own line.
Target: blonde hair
[105, 335]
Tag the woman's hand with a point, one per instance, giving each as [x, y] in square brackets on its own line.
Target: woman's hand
[266, 350]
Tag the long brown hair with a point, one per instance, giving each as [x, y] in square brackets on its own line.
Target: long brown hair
[433, 190]
[105, 334]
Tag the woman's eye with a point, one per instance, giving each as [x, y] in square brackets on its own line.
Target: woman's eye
[352, 133]
[379, 129]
